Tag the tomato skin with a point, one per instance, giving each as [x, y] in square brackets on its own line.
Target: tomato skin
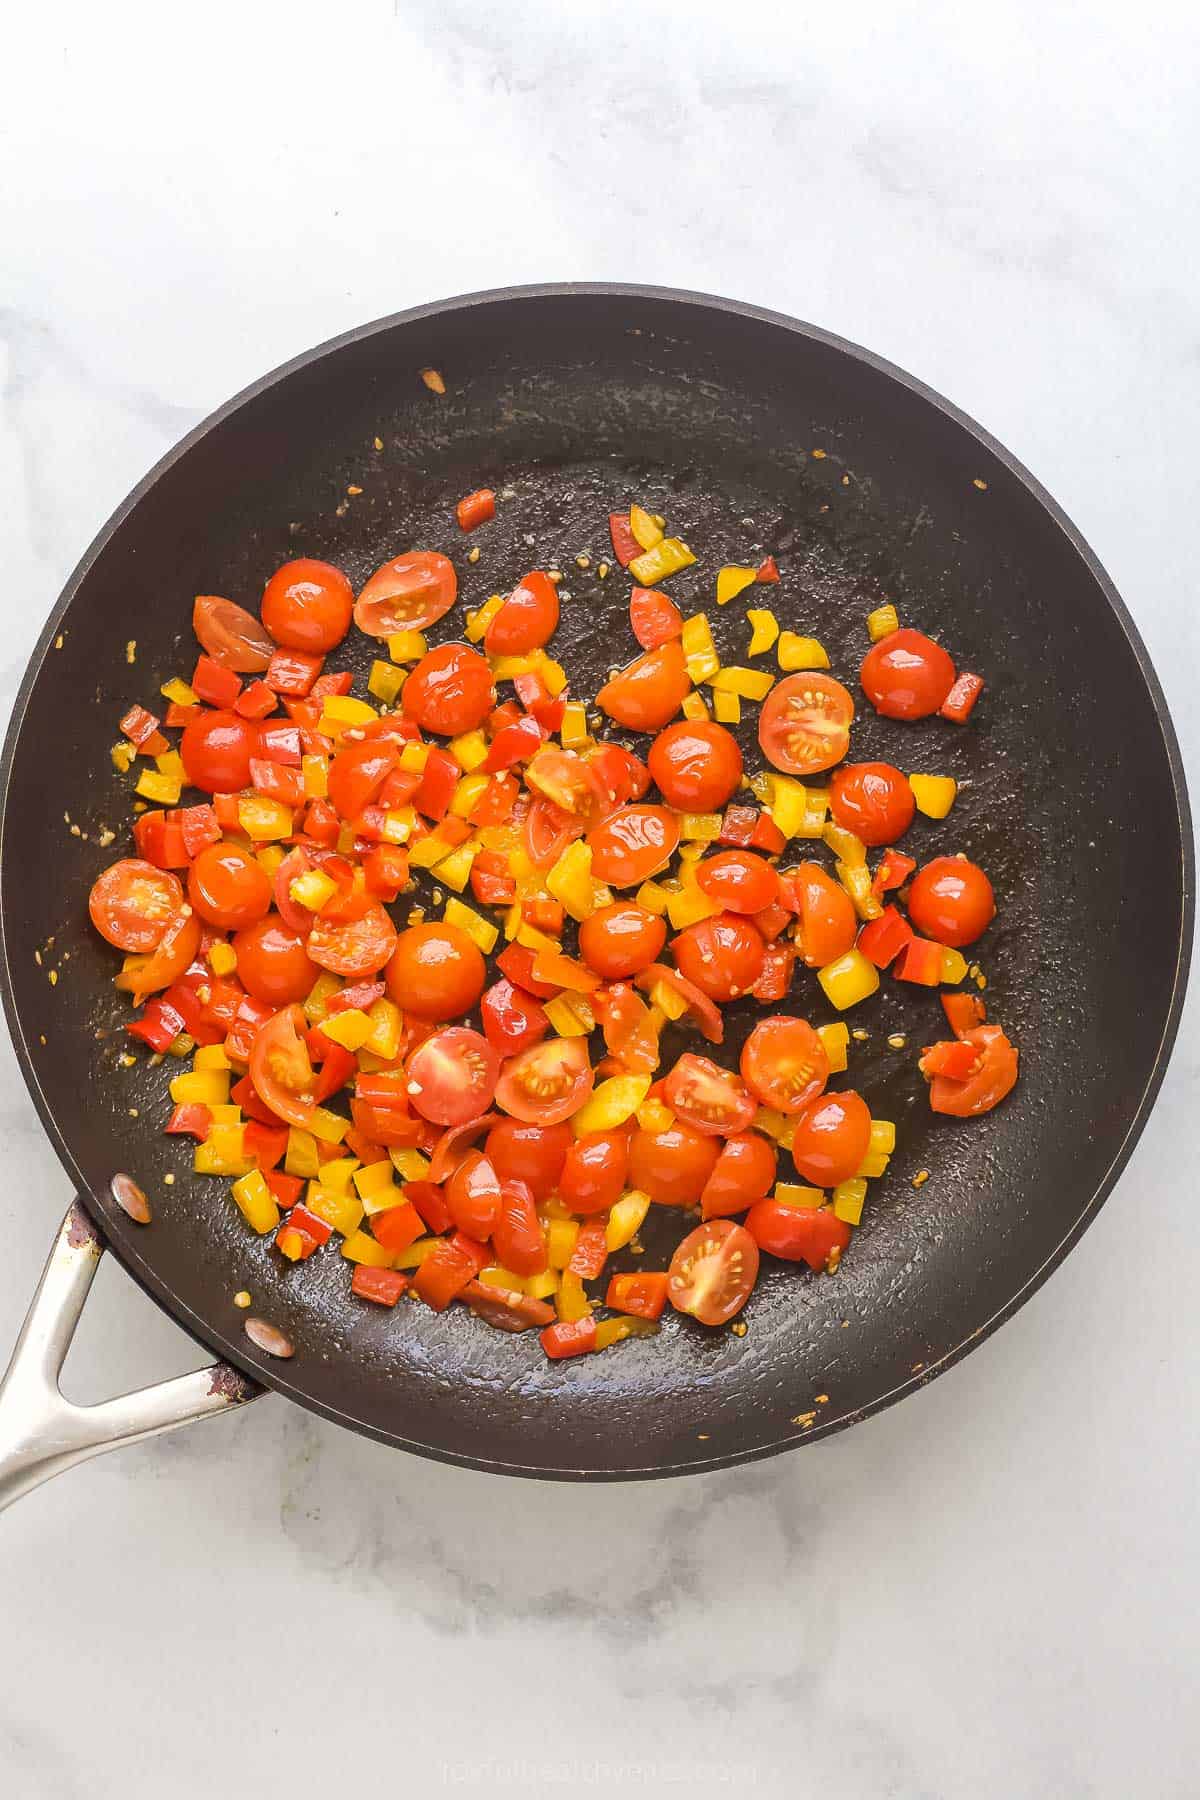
[233, 637]
[643, 1294]
[797, 1233]
[512, 1019]
[648, 694]
[357, 773]
[906, 675]
[741, 881]
[132, 903]
[713, 1271]
[216, 749]
[307, 606]
[703, 1014]
[594, 1171]
[529, 1154]
[450, 691]
[722, 956]
[993, 1077]
[452, 1076]
[695, 765]
[228, 887]
[619, 940]
[633, 844]
[407, 594]
[828, 921]
[273, 964]
[355, 946]
[745, 1172]
[546, 1083]
[952, 901]
[672, 1166]
[832, 1136]
[281, 1070]
[804, 724]
[708, 1098]
[517, 1230]
[784, 1063]
[653, 619]
[527, 620]
[472, 1195]
[873, 800]
[436, 972]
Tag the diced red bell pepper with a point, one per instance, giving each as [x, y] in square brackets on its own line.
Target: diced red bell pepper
[591, 1248]
[643, 1293]
[159, 1025]
[475, 509]
[398, 788]
[224, 998]
[514, 744]
[625, 545]
[321, 822]
[772, 920]
[218, 686]
[776, 978]
[921, 962]
[454, 830]
[251, 1016]
[507, 713]
[536, 698]
[226, 808]
[387, 1088]
[179, 715]
[573, 1337]
[494, 806]
[516, 961]
[338, 1066]
[512, 1019]
[383, 1286]
[385, 871]
[280, 743]
[389, 1126]
[448, 1269]
[654, 619]
[397, 1226]
[767, 836]
[277, 782]
[265, 1145]
[491, 882]
[159, 839]
[737, 826]
[243, 1093]
[964, 1012]
[952, 1057]
[882, 939]
[285, 1189]
[356, 994]
[306, 717]
[338, 683]
[182, 996]
[139, 726]
[767, 570]
[293, 672]
[192, 1120]
[617, 774]
[438, 782]
[893, 871]
[961, 698]
[200, 826]
[256, 701]
[430, 1202]
[544, 914]
[302, 1232]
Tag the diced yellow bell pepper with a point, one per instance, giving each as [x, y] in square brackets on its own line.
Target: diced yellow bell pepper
[727, 709]
[413, 758]
[202, 1087]
[846, 846]
[883, 1136]
[339, 711]
[181, 692]
[848, 1197]
[211, 1056]
[481, 931]
[222, 1153]
[873, 1165]
[410, 1165]
[625, 1219]
[573, 732]
[330, 1127]
[374, 1178]
[800, 652]
[387, 1027]
[694, 706]
[350, 1028]
[561, 1236]
[667, 1000]
[428, 851]
[533, 939]
[554, 676]
[415, 1255]
[856, 879]
[581, 1006]
[615, 1331]
[815, 808]
[301, 1158]
[789, 805]
[764, 629]
[383, 1199]
[571, 1302]
[164, 790]
[654, 898]
[700, 828]
[226, 1115]
[122, 755]
[703, 666]
[312, 890]
[183, 1045]
[749, 684]
[342, 1211]
[696, 636]
[336, 1174]
[848, 979]
[397, 827]
[790, 1193]
[836, 1041]
[644, 528]
[315, 770]
[222, 958]
[469, 751]
[478, 621]
[954, 967]
[507, 668]
[320, 992]
[256, 1202]
[385, 682]
[689, 906]
[264, 820]
[170, 764]
[406, 646]
[454, 870]
[465, 795]
[882, 622]
[497, 1276]
[934, 794]
[570, 880]
[269, 857]
[732, 581]
[543, 1286]
[563, 1017]
[665, 558]
[652, 1115]
[359, 1247]
[773, 1124]
[611, 1103]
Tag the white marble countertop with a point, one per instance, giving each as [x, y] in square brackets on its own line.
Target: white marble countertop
[989, 1591]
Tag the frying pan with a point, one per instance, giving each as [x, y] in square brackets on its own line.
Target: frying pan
[751, 433]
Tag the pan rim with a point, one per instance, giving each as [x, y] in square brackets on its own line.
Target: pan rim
[274, 1374]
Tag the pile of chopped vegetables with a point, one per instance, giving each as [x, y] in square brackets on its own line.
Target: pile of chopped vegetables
[587, 896]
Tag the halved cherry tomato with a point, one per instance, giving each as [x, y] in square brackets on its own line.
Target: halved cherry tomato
[804, 725]
[357, 773]
[407, 594]
[132, 904]
[229, 888]
[653, 618]
[713, 1271]
[593, 1173]
[701, 1010]
[565, 780]
[696, 765]
[527, 620]
[906, 675]
[672, 1166]
[832, 1136]
[648, 694]
[233, 637]
[632, 844]
[547, 830]
[452, 1076]
[547, 1083]
[993, 1076]
[307, 606]
[216, 749]
[281, 1068]
[745, 1171]
[722, 956]
[630, 1030]
[643, 1294]
[828, 921]
[172, 955]
[529, 1154]
[473, 1192]
[273, 964]
[873, 800]
[620, 939]
[741, 881]
[357, 947]
[708, 1098]
[436, 972]
[951, 900]
[512, 1019]
[452, 1146]
[517, 1230]
[784, 1062]
[808, 1234]
[450, 690]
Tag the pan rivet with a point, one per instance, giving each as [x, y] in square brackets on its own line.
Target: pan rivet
[130, 1198]
[268, 1338]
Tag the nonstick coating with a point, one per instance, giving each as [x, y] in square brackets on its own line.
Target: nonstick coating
[752, 434]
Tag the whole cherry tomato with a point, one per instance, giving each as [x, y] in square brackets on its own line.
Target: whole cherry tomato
[951, 900]
[593, 1173]
[632, 844]
[672, 1166]
[436, 972]
[906, 675]
[722, 956]
[741, 881]
[228, 887]
[273, 964]
[307, 605]
[216, 749]
[450, 690]
[618, 940]
[832, 1136]
[696, 765]
[873, 800]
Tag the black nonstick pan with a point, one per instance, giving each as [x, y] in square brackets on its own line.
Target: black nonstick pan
[753, 434]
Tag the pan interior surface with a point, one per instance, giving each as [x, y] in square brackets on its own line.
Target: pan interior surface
[750, 436]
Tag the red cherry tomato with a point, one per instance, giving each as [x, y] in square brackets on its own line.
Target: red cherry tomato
[701, 1010]
[517, 1231]
[994, 1076]
[797, 1233]
[828, 921]
[216, 749]
[527, 620]
[722, 956]
[951, 900]
[804, 725]
[906, 675]
[472, 1193]
[832, 1136]
[564, 779]
[407, 594]
[307, 605]
[273, 964]
[450, 690]
[593, 1173]
[452, 1076]
[713, 1271]
[620, 939]
[132, 904]
[530, 1154]
[547, 830]
[648, 694]
[229, 888]
[873, 800]
[281, 1069]
[175, 951]
[357, 773]
[708, 1098]
[741, 881]
[745, 1171]
[653, 619]
[232, 636]
[547, 1083]
[695, 765]
[784, 1063]
[672, 1166]
[357, 947]
[436, 972]
[512, 1019]
[632, 844]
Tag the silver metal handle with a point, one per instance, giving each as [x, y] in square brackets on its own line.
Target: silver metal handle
[41, 1432]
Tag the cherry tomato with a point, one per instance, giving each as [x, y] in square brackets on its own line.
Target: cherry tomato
[873, 800]
[307, 605]
[798, 1233]
[436, 972]
[632, 844]
[593, 1173]
[672, 1166]
[564, 779]
[701, 1010]
[951, 900]
[175, 951]
[713, 1271]
[832, 1136]
[906, 675]
[297, 862]
[450, 690]
[784, 1063]
[216, 749]
[517, 1231]
[281, 1069]
[407, 594]
[722, 956]
[357, 947]
[527, 620]
[648, 694]
[741, 881]
[232, 636]
[708, 1098]
[993, 1076]
[547, 1083]
[745, 1171]
[529, 1154]
[273, 964]
[512, 1019]
[620, 939]
[228, 887]
[804, 725]
[653, 619]
[132, 904]
[547, 830]
[695, 765]
[357, 773]
[452, 1076]
[828, 921]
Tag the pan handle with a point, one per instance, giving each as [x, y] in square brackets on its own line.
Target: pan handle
[41, 1432]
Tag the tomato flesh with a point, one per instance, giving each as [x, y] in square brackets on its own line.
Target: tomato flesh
[547, 1083]
[281, 1068]
[994, 1076]
[132, 903]
[233, 637]
[784, 1063]
[407, 594]
[713, 1271]
[708, 1098]
[452, 1076]
[804, 725]
[354, 947]
[828, 921]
